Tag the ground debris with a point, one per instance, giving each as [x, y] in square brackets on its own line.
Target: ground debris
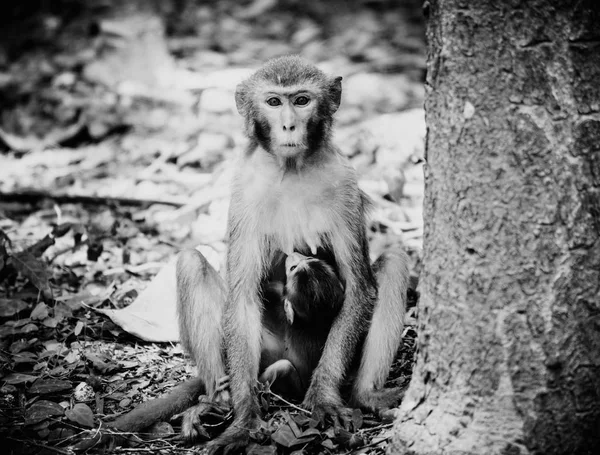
[116, 140]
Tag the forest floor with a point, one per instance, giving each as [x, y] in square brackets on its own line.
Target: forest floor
[117, 132]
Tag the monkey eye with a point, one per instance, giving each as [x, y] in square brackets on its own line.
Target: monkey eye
[302, 101]
[274, 102]
[292, 268]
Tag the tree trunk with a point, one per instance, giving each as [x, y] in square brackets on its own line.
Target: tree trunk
[509, 338]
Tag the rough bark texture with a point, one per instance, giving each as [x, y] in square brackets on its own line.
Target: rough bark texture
[509, 336]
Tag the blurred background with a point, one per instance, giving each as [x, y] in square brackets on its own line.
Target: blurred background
[117, 131]
[134, 100]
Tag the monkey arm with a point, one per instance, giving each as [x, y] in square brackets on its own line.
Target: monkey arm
[351, 323]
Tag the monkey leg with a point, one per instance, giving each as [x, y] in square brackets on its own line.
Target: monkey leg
[200, 302]
[385, 333]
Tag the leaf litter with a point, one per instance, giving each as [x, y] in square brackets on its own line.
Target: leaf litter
[103, 180]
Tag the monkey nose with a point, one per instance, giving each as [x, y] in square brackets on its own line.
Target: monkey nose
[289, 127]
[293, 260]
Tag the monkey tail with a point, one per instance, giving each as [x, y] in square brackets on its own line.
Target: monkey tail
[161, 409]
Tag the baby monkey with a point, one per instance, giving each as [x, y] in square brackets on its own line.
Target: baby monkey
[312, 298]
[297, 324]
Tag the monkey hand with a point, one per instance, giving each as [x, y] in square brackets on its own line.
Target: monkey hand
[326, 403]
[376, 400]
[221, 394]
[192, 429]
[237, 436]
[192, 425]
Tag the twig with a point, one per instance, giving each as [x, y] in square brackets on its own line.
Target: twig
[378, 427]
[298, 408]
[153, 450]
[34, 196]
[42, 446]
[370, 444]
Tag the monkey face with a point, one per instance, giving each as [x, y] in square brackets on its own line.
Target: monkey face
[294, 260]
[286, 113]
[288, 108]
[298, 277]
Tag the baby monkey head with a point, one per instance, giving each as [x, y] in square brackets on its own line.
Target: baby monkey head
[288, 107]
[313, 291]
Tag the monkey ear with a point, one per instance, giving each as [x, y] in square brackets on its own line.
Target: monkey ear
[335, 92]
[240, 98]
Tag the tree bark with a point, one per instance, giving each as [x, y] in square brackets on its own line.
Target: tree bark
[509, 335]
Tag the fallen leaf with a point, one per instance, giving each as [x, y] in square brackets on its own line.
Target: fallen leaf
[293, 425]
[310, 432]
[99, 364]
[44, 386]
[81, 414]
[18, 346]
[42, 410]
[51, 323]
[72, 357]
[78, 328]
[28, 328]
[19, 378]
[87, 441]
[53, 346]
[356, 441]
[285, 437]
[257, 449]
[33, 269]
[25, 357]
[9, 307]
[40, 312]
[357, 419]
[328, 444]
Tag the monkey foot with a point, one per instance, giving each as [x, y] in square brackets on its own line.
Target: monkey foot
[324, 409]
[340, 416]
[192, 427]
[236, 437]
[375, 400]
[231, 441]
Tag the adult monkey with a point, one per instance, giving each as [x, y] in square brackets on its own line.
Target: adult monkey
[292, 191]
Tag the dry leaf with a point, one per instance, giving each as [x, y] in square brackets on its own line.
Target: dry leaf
[42, 410]
[33, 269]
[9, 307]
[40, 312]
[81, 414]
[44, 386]
[19, 378]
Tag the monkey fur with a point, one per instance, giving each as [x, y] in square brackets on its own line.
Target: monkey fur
[292, 191]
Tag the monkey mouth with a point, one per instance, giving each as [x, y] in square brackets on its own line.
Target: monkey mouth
[291, 149]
